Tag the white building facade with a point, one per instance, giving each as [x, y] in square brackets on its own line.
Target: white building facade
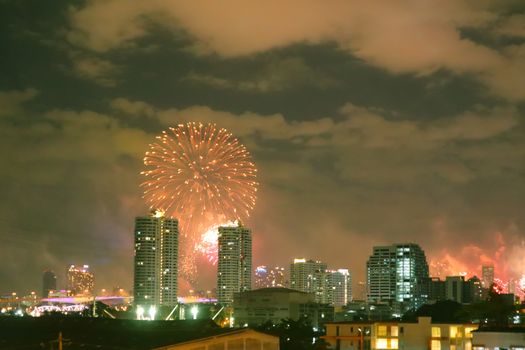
[156, 260]
[234, 265]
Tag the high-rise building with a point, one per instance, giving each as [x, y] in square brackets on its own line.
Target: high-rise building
[80, 281]
[308, 276]
[328, 286]
[433, 288]
[234, 266]
[473, 291]
[337, 287]
[49, 283]
[395, 274]
[269, 277]
[487, 276]
[156, 260]
[454, 287]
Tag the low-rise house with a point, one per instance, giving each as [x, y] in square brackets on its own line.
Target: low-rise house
[511, 338]
[239, 339]
[419, 335]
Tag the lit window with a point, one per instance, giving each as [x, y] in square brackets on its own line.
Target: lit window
[435, 344]
[381, 331]
[436, 332]
[453, 331]
[468, 331]
[393, 344]
[394, 331]
[381, 344]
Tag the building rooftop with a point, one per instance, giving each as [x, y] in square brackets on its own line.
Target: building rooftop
[401, 322]
[99, 333]
[520, 329]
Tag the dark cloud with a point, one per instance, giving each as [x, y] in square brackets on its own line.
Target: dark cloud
[277, 76]
[400, 37]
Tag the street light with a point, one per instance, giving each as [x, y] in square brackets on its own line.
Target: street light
[140, 312]
[194, 311]
[152, 312]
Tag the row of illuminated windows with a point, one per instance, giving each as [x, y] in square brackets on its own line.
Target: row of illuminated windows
[382, 331]
[384, 343]
[454, 332]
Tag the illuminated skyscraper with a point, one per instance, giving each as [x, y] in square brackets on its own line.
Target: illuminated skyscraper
[156, 260]
[395, 273]
[269, 277]
[234, 266]
[328, 286]
[308, 276]
[80, 281]
[49, 283]
[337, 287]
[487, 276]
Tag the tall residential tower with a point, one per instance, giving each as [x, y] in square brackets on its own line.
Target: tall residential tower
[234, 267]
[338, 287]
[308, 276]
[156, 260]
[487, 276]
[328, 286]
[80, 281]
[395, 274]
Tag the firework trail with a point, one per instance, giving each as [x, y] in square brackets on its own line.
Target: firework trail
[204, 177]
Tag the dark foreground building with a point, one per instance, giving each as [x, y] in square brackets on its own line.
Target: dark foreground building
[106, 334]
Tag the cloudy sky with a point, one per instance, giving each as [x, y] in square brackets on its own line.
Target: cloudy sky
[371, 122]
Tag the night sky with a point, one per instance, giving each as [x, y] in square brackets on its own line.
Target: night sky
[371, 122]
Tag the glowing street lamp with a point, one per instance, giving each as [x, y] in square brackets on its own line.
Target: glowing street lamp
[140, 312]
[152, 312]
[194, 311]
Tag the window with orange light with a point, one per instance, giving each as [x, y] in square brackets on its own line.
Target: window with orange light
[381, 344]
[394, 331]
[453, 331]
[468, 331]
[436, 332]
[394, 344]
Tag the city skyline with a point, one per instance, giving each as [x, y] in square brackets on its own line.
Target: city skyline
[369, 123]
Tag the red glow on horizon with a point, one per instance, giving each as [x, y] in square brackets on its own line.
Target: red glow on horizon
[508, 261]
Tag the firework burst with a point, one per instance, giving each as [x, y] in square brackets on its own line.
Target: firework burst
[204, 177]
[207, 245]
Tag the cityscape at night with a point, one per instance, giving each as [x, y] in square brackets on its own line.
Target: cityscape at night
[299, 175]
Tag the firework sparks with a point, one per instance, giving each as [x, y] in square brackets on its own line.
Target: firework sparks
[521, 284]
[499, 286]
[208, 242]
[204, 177]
